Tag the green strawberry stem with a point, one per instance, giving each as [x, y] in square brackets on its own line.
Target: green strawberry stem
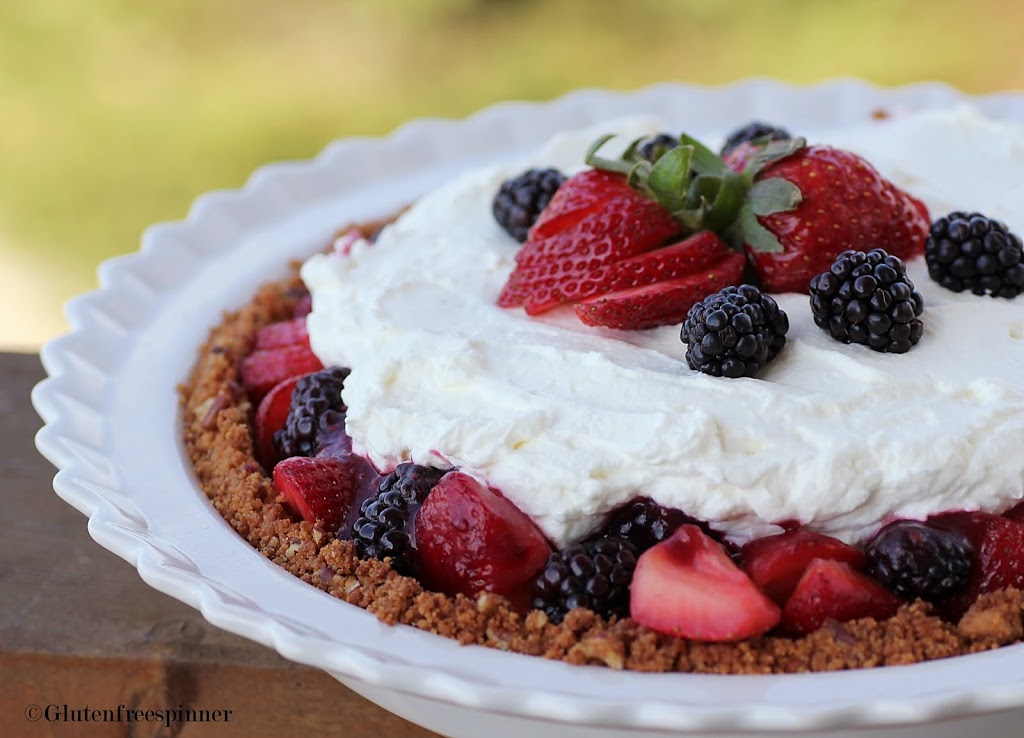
[702, 193]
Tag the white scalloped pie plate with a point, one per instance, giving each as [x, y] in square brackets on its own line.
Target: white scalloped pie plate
[112, 429]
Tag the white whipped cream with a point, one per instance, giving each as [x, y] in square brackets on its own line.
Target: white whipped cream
[570, 422]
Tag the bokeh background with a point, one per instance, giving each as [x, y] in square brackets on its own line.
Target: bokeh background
[118, 113]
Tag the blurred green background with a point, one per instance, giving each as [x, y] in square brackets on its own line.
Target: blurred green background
[118, 113]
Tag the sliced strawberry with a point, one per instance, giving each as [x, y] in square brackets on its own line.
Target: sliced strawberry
[545, 291]
[622, 224]
[587, 193]
[471, 539]
[320, 490]
[999, 555]
[776, 563]
[285, 333]
[687, 586]
[261, 370]
[270, 416]
[661, 303]
[832, 590]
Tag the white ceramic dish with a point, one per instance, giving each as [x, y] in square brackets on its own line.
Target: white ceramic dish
[112, 429]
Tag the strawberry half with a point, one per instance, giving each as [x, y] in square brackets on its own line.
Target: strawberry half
[320, 490]
[832, 590]
[284, 333]
[999, 555]
[471, 539]
[262, 370]
[662, 303]
[271, 416]
[776, 563]
[687, 586]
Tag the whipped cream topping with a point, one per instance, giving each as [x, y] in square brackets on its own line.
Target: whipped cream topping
[570, 422]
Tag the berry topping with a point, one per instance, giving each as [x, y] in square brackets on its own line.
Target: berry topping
[643, 522]
[594, 574]
[968, 251]
[776, 563]
[734, 332]
[755, 131]
[284, 333]
[832, 590]
[867, 298]
[262, 370]
[662, 303]
[384, 524]
[999, 555]
[471, 539]
[916, 560]
[687, 586]
[792, 207]
[270, 418]
[520, 200]
[320, 490]
[652, 147]
[316, 405]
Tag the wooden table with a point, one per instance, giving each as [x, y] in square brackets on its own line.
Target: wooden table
[79, 628]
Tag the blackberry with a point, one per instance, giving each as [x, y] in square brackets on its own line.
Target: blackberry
[652, 147]
[643, 522]
[867, 298]
[752, 131]
[915, 560]
[594, 574]
[734, 332]
[382, 528]
[968, 251]
[520, 200]
[316, 405]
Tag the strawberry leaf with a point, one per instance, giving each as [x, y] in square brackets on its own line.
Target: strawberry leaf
[670, 175]
[773, 152]
[774, 195]
[756, 235]
[705, 161]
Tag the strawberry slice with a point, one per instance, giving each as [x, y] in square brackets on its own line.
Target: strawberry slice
[545, 291]
[271, 416]
[320, 490]
[832, 590]
[661, 303]
[687, 586]
[471, 539]
[617, 222]
[261, 370]
[999, 555]
[776, 563]
[303, 307]
[284, 333]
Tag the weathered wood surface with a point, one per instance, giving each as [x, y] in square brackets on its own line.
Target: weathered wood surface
[79, 627]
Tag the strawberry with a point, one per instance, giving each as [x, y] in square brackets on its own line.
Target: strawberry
[303, 307]
[776, 563]
[793, 208]
[261, 370]
[832, 590]
[545, 291]
[270, 416]
[320, 490]
[608, 222]
[284, 333]
[862, 210]
[999, 554]
[662, 302]
[687, 586]
[471, 539]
